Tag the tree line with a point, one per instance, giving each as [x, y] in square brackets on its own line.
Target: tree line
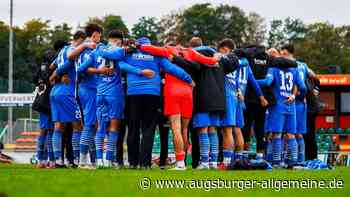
[319, 44]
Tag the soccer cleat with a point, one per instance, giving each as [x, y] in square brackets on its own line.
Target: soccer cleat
[100, 164]
[109, 164]
[203, 166]
[41, 165]
[86, 167]
[51, 165]
[213, 165]
[178, 168]
[132, 167]
[60, 165]
[116, 166]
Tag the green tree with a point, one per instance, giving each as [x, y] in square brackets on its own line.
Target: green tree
[256, 29]
[61, 32]
[110, 22]
[147, 26]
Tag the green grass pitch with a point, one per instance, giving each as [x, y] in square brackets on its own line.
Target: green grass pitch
[25, 180]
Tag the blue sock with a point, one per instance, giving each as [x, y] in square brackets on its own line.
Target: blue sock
[233, 156]
[214, 146]
[85, 139]
[276, 150]
[50, 147]
[227, 153]
[301, 150]
[239, 155]
[292, 151]
[40, 148]
[204, 147]
[92, 151]
[75, 143]
[99, 141]
[111, 146]
[268, 155]
[57, 144]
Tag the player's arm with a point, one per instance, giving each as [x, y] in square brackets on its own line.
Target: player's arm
[134, 70]
[256, 88]
[155, 51]
[175, 70]
[189, 66]
[310, 73]
[197, 57]
[281, 62]
[84, 67]
[76, 52]
[113, 54]
[268, 79]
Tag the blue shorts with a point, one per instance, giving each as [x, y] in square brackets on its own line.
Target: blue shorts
[301, 114]
[206, 119]
[110, 107]
[87, 99]
[234, 113]
[64, 108]
[45, 121]
[279, 122]
[229, 118]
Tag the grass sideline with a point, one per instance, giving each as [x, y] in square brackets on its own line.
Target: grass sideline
[25, 180]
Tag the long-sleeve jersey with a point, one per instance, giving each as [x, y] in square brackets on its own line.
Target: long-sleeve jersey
[108, 84]
[85, 80]
[190, 53]
[138, 84]
[64, 66]
[283, 81]
[303, 69]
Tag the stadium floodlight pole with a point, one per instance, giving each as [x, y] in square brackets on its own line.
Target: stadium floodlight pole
[10, 77]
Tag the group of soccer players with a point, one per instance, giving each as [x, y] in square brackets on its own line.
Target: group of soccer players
[202, 85]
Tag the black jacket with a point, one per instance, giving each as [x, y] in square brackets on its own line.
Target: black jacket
[260, 62]
[209, 93]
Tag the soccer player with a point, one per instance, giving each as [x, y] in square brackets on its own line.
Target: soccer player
[282, 115]
[87, 83]
[301, 107]
[143, 100]
[110, 93]
[210, 103]
[232, 122]
[178, 101]
[63, 103]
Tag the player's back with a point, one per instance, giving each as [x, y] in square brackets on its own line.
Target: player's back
[108, 84]
[62, 61]
[86, 80]
[283, 83]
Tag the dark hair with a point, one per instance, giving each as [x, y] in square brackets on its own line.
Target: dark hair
[91, 28]
[115, 33]
[79, 34]
[289, 48]
[196, 42]
[59, 44]
[227, 42]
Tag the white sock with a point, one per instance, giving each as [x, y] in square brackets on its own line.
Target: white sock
[83, 159]
[227, 161]
[180, 164]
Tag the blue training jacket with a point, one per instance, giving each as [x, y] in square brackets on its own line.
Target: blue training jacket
[138, 84]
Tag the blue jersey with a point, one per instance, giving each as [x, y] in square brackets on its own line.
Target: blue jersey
[108, 84]
[245, 76]
[303, 70]
[64, 66]
[282, 82]
[85, 80]
[138, 84]
[231, 80]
